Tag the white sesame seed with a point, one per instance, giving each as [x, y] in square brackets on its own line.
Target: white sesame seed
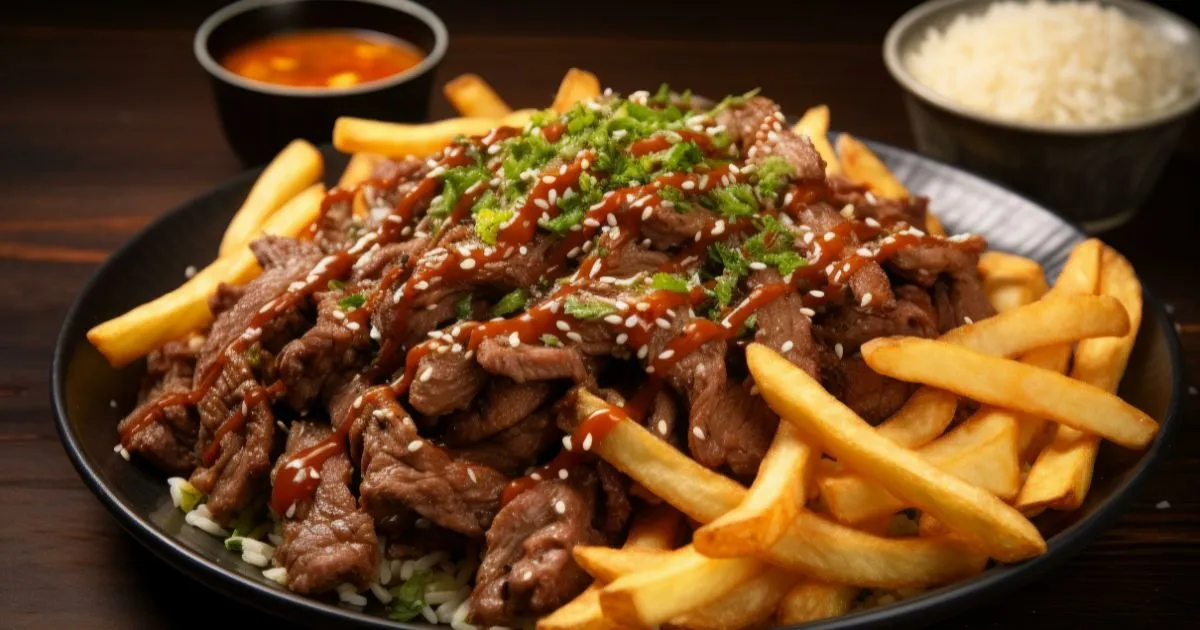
[688, 185]
[829, 236]
[866, 299]
[787, 346]
[817, 293]
[662, 323]
[467, 263]
[560, 507]
[587, 442]
[804, 310]
[563, 474]
[471, 474]
[808, 237]
[566, 442]
[338, 315]
[574, 336]
[758, 266]
[562, 325]
[837, 349]
[719, 228]
[649, 369]
[872, 222]
[415, 446]
[643, 351]
[968, 320]
[846, 268]
[548, 179]
[354, 326]
[426, 375]
[611, 219]
[542, 203]
[585, 164]
[698, 432]
[787, 199]
[647, 213]
[662, 427]
[864, 252]
[573, 253]
[622, 338]
[535, 476]
[514, 340]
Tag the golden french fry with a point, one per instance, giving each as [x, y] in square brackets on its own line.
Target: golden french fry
[297, 167]
[933, 225]
[776, 497]
[358, 170]
[928, 526]
[1011, 385]
[811, 600]
[863, 166]
[1081, 273]
[1059, 318]
[814, 124]
[577, 85]
[747, 607]
[655, 527]
[1062, 474]
[653, 596]
[581, 613]
[981, 451]
[185, 310]
[398, 140]
[922, 419]
[607, 564]
[990, 524]
[812, 545]
[472, 96]
[1010, 280]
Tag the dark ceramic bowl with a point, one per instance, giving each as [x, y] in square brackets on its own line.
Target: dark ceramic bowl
[1096, 175]
[90, 397]
[260, 118]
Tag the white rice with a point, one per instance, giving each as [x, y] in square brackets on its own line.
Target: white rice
[1057, 63]
[202, 519]
[348, 594]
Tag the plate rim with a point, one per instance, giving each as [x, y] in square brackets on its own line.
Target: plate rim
[928, 607]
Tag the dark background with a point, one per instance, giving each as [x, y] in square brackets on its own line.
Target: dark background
[106, 123]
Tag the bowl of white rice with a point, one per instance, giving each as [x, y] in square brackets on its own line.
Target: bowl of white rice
[1078, 104]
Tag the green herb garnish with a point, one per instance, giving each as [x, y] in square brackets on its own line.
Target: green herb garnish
[352, 301]
[773, 175]
[669, 282]
[462, 308]
[551, 340]
[510, 303]
[735, 200]
[587, 308]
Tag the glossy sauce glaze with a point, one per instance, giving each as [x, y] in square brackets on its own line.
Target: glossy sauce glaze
[322, 58]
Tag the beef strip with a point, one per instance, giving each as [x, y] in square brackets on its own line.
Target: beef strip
[446, 382]
[923, 264]
[663, 417]
[516, 448]
[671, 227]
[376, 260]
[960, 299]
[505, 403]
[867, 279]
[528, 362]
[333, 227]
[328, 540]
[781, 324]
[871, 395]
[756, 125]
[329, 348]
[631, 258]
[225, 297]
[240, 471]
[851, 325]
[527, 569]
[401, 472]
[168, 443]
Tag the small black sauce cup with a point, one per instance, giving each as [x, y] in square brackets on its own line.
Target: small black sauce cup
[260, 118]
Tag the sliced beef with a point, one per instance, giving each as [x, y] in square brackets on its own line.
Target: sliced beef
[338, 342]
[505, 403]
[631, 258]
[672, 227]
[327, 540]
[225, 297]
[527, 569]
[285, 261]
[663, 418]
[871, 395]
[924, 263]
[851, 325]
[758, 126]
[431, 314]
[333, 227]
[169, 442]
[446, 382]
[373, 264]
[402, 472]
[528, 362]
[733, 429]
[960, 299]
[241, 468]
[781, 325]
[617, 507]
[867, 279]
[516, 448]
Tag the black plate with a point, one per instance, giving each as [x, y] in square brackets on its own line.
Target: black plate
[90, 397]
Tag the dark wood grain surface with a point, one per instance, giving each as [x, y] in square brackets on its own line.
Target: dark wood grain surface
[106, 123]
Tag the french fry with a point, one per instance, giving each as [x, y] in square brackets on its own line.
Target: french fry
[776, 497]
[747, 607]
[811, 601]
[358, 170]
[1054, 320]
[922, 419]
[812, 545]
[653, 596]
[398, 140]
[581, 613]
[607, 564]
[814, 124]
[472, 96]
[1062, 474]
[992, 526]
[863, 166]
[1011, 385]
[295, 168]
[185, 310]
[933, 225]
[655, 527]
[1010, 280]
[577, 85]
[981, 451]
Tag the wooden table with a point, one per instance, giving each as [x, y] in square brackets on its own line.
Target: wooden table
[106, 123]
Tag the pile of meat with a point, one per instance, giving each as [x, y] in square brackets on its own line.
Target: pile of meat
[427, 473]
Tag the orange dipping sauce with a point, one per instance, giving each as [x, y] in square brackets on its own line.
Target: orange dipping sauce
[323, 58]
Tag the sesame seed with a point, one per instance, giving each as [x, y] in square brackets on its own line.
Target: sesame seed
[829, 236]
[647, 213]
[560, 507]
[415, 446]
[535, 476]
[467, 263]
[866, 299]
[807, 311]
[573, 253]
[758, 266]
[662, 323]
[566, 442]
[968, 320]
[649, 369]
[787, 346]
[291, 511]
[817, 293]
[611, 219]
[688, 185]
[542, 203]
[587, 442]
[585, 163]
[846, 268]
[662, 427]
[808, 237]
[666, 354]
[787, 199]
[339, 315]
[643, 351]
[699, 235]
[552, 197]
[613, 319]
[864, 252]
[548, 179]
[631, 321]
[622, 338]
[574, 336]
[872, 222]
[698, 432]
[354, 326]
[848, 211]
[426, 375]
[471, 474]
[838, 350]
[719, 228]
[563, 474]
[514, 340]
